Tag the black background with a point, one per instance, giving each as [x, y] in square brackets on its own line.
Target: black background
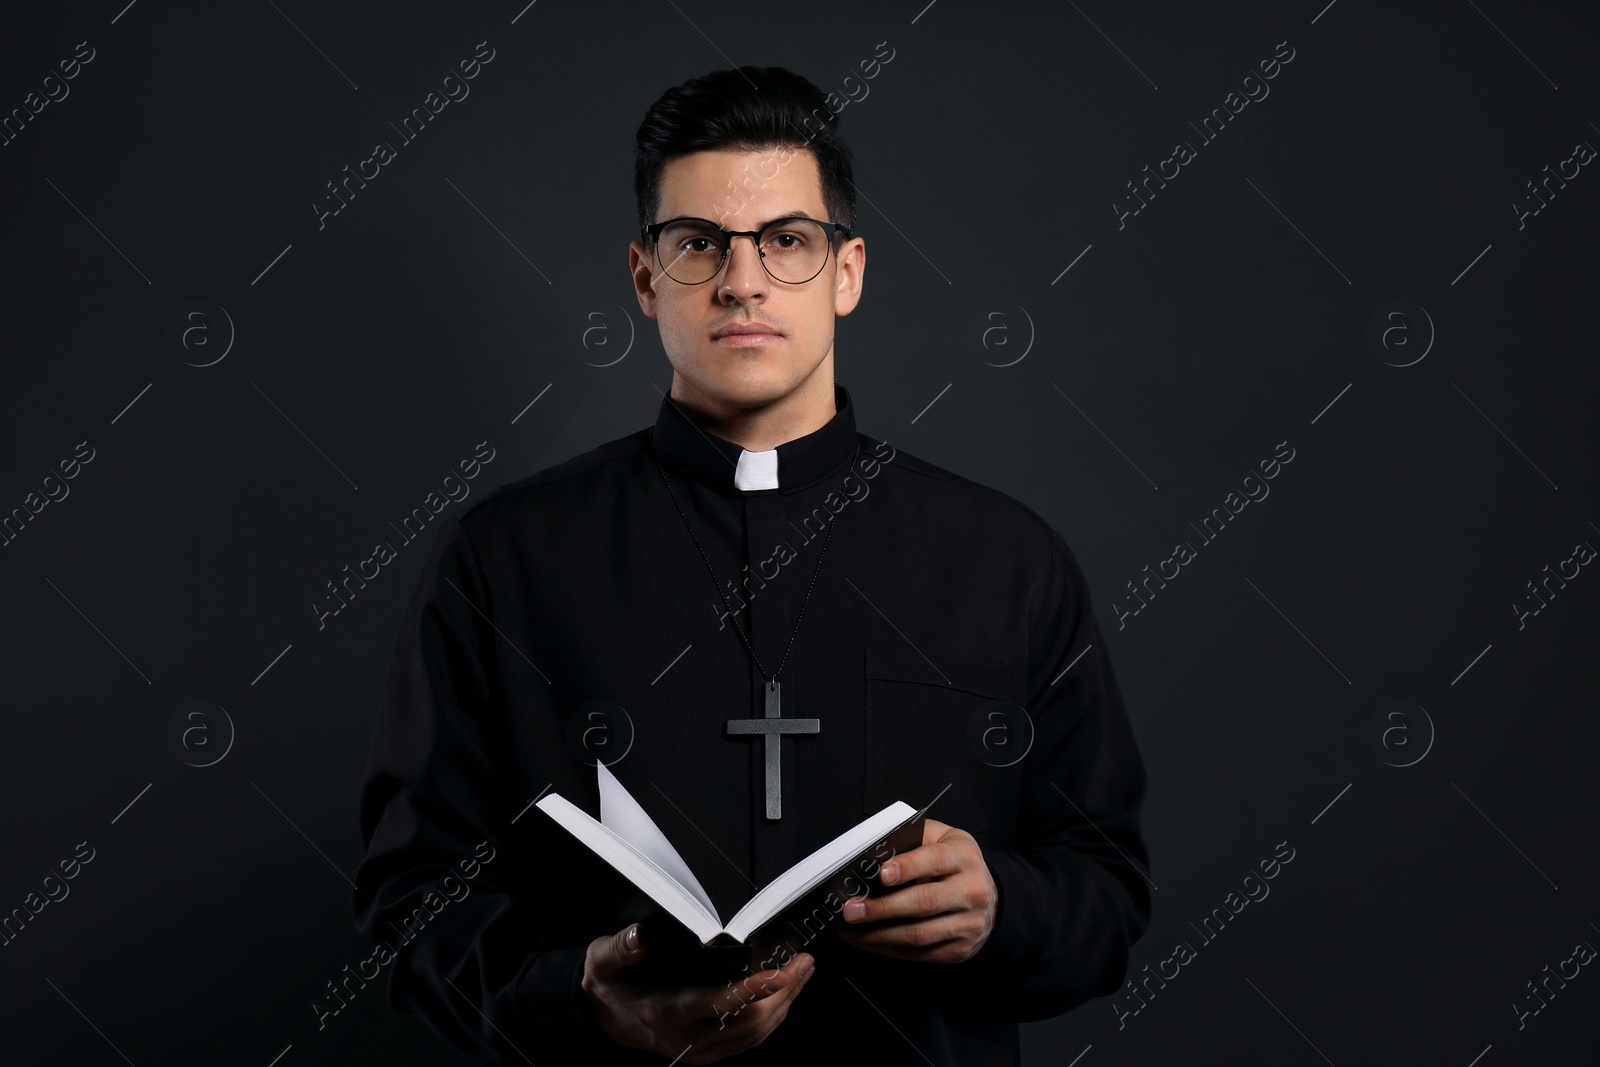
[484, 270]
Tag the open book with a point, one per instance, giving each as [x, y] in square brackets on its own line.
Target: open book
[779, 921]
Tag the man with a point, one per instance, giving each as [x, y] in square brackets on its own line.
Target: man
[926, 639]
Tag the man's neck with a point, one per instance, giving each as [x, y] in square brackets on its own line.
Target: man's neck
[805, 410]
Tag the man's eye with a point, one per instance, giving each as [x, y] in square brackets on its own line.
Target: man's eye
[698, 244]
[786, 241]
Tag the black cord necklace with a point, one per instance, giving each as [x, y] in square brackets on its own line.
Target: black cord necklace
[772, 725]
[724, 596]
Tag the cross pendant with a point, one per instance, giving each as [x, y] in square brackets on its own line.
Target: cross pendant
[771, 727]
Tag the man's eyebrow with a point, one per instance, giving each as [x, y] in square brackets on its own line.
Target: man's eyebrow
[788, 215]
[797, 214]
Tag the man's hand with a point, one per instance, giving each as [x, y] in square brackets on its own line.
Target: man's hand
[946, 920]
[710, 1022]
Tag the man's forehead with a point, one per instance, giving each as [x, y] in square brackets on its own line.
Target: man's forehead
[735, 187]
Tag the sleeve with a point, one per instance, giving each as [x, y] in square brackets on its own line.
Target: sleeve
[1074, 891]
[462, 916]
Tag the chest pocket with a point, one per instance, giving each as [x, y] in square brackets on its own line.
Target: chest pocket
[928, 727]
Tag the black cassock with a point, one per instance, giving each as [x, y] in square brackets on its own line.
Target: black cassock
[569, 616]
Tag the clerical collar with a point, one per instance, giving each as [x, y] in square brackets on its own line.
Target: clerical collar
[792, 466]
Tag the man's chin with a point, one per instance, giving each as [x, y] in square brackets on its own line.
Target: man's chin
[747, 386]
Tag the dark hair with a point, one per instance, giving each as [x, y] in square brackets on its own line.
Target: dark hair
[750, 108]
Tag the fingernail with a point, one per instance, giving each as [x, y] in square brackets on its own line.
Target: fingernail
[854, 909]
[806, 967]
[888, 874]
[633, 937]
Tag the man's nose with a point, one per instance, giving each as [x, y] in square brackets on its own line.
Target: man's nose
[743, 276]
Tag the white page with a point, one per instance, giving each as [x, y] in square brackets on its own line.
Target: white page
[806, 875]
[622, 815]
[642, 872]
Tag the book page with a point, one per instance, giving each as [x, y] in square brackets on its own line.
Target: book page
[622, 815]
[633, 865]
[810, 872]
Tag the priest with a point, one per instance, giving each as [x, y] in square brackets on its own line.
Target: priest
[767, 625]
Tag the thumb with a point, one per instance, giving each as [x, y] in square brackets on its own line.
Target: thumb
[609, 955]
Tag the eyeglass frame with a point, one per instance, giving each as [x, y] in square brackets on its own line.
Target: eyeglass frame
[652, 235]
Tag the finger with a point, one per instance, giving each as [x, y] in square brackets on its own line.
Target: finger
[945, 856]
[734, 1028]
[740, 993]
[938, 952]
[755, 1023]
[609, 955]
[912, 901]
[751, 1025]
[749, 1002]
[914, 939]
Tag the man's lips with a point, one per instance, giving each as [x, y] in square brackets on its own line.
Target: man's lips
[746, 335]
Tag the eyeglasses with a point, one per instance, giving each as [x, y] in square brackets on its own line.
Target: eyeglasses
[792, 250]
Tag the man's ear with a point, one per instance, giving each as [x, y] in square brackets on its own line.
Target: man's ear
[849, 274]
[642, 266]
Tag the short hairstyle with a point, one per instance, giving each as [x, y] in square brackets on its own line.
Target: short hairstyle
[747, 109]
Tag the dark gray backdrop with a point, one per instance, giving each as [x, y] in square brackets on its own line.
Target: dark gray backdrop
[1342, 268]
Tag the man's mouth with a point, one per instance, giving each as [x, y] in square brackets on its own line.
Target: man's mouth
[746, 334]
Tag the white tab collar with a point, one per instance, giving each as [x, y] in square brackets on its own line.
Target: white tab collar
[757, 470]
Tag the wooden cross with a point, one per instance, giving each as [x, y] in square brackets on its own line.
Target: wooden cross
[771, 728]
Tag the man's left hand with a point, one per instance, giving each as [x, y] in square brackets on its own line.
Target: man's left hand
[946, 920]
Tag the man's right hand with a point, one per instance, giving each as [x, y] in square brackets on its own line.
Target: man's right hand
[697, 1024]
